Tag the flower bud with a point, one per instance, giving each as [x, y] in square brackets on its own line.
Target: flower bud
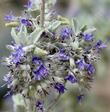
[72, 63]
[75, 44]
[64, 21]
[12, 24]
[40, 52]
[25, 67]
[39, 89]
[14, 82]
[25, 92]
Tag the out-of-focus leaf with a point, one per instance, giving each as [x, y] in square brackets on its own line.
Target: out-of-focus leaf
[64, 21]
[74, 25]
[91, 30]
[22, 35]
[83, 28]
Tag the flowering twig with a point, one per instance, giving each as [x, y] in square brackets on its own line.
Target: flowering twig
[42, 59]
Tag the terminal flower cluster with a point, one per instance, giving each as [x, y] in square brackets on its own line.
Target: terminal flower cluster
[48, 58]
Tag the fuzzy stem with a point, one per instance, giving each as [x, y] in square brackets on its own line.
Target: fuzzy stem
[54, 103]
[42, 13]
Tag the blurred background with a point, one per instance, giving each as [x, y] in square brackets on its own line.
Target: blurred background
[90, 12]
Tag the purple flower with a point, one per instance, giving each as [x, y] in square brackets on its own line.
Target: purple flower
[100, 45]
[40, 72]
[90, 68]
[39, 106]
[65, 33]
[9, 17]
[17, 54]
[59, 87]
[80, 64]
[88, 37]
[7, 78]
[62, 56]
[25, 22]
[29, 4]
[71, 78]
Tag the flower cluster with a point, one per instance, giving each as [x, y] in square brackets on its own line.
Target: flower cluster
[49, 57]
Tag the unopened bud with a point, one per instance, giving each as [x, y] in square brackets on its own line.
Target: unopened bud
[40, 52]
[12, 24]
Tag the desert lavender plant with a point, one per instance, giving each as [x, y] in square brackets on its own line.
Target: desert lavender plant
[47, 52]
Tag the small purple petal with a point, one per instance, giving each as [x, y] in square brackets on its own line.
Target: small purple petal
[62, 56]
[9, 93]
[80, 64]
[90, 69]
[88, 37]
[29, 4]
[25, 22]
[9, 17]
[17, 54]
[39, 106]
[40, 72]
[100, 45]
[17, 28]
[59, 87]
[7, 78]
[71, 78]
[65, 33]
[79, 98]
